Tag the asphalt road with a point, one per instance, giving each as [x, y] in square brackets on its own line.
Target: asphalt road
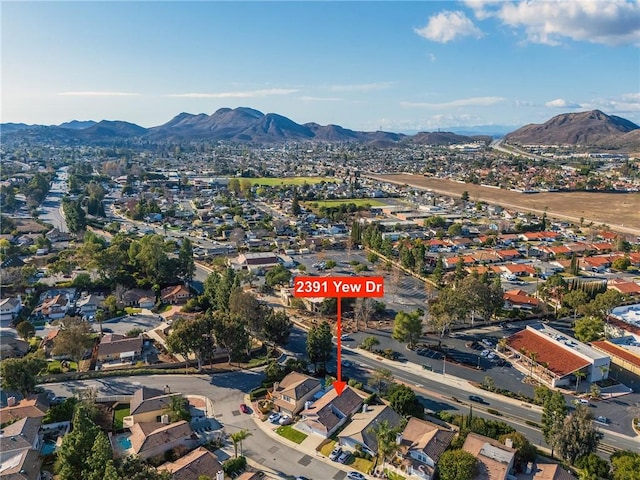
[227, 393]
[50, 209]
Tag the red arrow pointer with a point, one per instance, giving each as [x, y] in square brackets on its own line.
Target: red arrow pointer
[339, 385]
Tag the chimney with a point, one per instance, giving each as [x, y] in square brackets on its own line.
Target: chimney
[276, 385]
[167, 389]
[508, 442]
[398, 438]
[364, 408]
[165, 419]
[11, 402]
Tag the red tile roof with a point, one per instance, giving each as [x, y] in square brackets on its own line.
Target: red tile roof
[558, 360]
[616, 351]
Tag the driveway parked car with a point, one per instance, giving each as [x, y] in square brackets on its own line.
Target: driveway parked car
[285, 420]
[335, 453]
[344, 457]
[355, 476]
[274, 417]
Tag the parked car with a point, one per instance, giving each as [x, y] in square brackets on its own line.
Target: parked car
[335, 453]
[355, 476]
[487, 342]
[285, 420]
[485, 353]
[344, 457]
[476, 398]
[601, 419]
[244, 408]
[300, 477]
[274, 417]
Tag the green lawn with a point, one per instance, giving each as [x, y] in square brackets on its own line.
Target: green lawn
[132, 310]
[277, 181]
[326, 448]
[392, 475]
[287, 431]
[359, 202]
[118, 415]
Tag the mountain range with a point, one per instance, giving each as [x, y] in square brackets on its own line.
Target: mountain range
[243, 124]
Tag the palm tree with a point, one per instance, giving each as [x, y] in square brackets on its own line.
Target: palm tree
[579, 374]
[237, 438]
[386, 438]
[502, 344]
[532, 356]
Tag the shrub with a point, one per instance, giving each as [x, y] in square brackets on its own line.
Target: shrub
[257, 393]
[53, 369]
[532, 424]
[234, 465]
[493, 411]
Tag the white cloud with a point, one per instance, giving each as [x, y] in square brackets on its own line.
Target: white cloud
[361, 87]
[98, 94]
[239, 94]
[561, 103]
[462, 102]
[447, 26]
[524, 103]
[308, 98]
[432, 57]
[610, 22]
[628, 103]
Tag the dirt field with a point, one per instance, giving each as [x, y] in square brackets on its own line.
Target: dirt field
[621, 211]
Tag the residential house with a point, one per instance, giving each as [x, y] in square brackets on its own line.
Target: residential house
[148, 405]
[626, 287]
[149, 439]
[360, 429]
[12, 347]
[551, 471]
[324, 416]
[519, 299]
[175, 294]
[25, 465]
[10, 308]
[495, 460]
[118, 348]
[14, 261]
[197, 463]
[138, 297]
[89, 304]
[34, 406]
[21, 435]
[53, 307]
[293, 391]
[420, 446]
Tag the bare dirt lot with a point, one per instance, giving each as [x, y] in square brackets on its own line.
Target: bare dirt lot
[621, 211]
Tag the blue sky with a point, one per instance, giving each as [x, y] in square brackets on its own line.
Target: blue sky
[399, 66]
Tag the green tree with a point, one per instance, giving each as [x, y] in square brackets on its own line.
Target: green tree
[554, 411]
[277, 327]
[381, 379]
[575, 299]
[404, 401]
[72, 456]
[593, 467]
[231, 333]
[186, 264]
[101, 457]
[369, 342]
[279, 275]
[191, 336]
[26, 330]
[319, 345]
[408, 327]
[178, 409]
[237, 438]
[295, 203]
[74, 338]
[385, 436]
[588, 329]
[621, 263]
[525, 451]
[457, 465]
[577, 437]
[625, 465]
[19, 374]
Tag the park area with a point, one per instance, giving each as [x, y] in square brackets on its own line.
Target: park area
[278, 181]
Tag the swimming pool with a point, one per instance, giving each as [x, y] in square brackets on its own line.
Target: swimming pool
[48, 447]
[124, 442]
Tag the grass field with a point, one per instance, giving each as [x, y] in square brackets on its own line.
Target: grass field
[621, 211]
[287, 431]
[277, 181]
[118, 415]
[359, 202]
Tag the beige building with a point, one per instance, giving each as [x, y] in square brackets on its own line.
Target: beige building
[150, 439]
[293, 391]
[495, 460]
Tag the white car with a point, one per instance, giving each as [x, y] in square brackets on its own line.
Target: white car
[491, 355]
[274, 417]
[485, 353]
[356, 476]
[285, 420]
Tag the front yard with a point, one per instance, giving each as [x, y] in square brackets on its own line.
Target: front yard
[288, 432]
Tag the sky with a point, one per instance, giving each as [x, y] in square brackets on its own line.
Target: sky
[390, 65]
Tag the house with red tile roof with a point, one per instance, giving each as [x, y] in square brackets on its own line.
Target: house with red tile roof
[519, 269]
[626, 287]
[553, 357]
[175, 294]
[519, 299]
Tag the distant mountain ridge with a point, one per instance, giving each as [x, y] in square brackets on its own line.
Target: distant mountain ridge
[245, 124]
[592, 128]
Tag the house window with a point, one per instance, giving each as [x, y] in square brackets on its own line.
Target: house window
[287, 399]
